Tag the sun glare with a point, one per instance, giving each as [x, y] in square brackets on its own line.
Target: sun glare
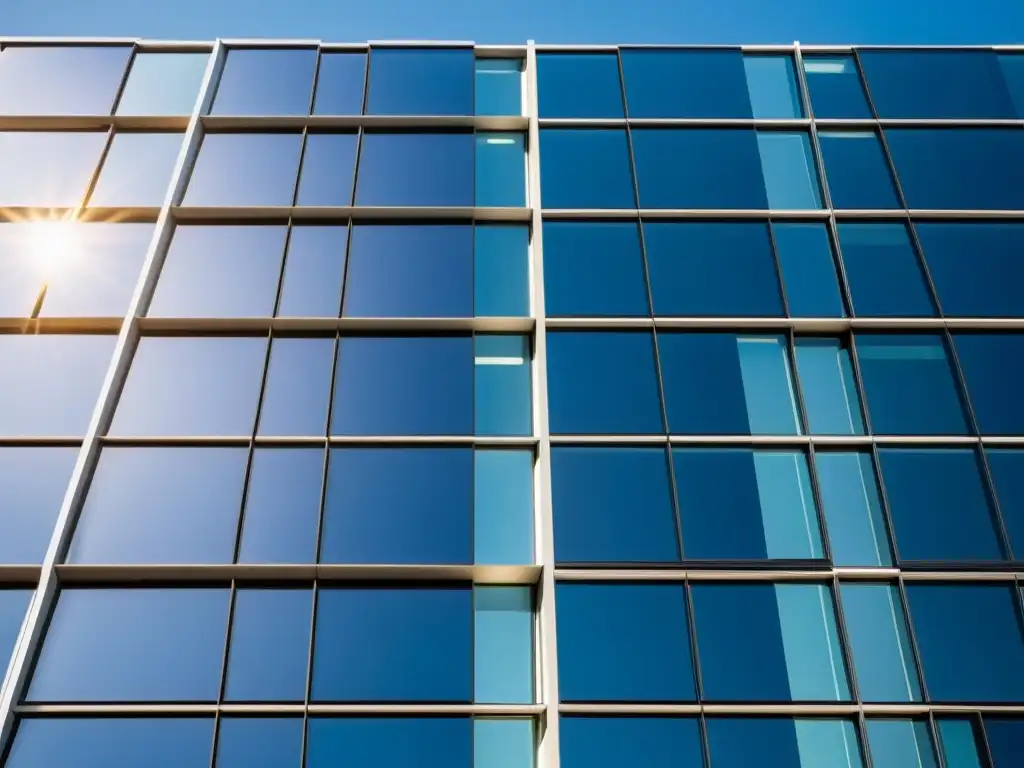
[52, 247]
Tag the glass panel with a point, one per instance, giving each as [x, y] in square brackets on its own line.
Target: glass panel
[612, 505]
[298, 387]
[501, 270]
[266, 82]
[611, 742]
[425, 518]
[1013, 72]
[163, 84]
[991, 365]
[328, 168]
[339, 84]
[505, 743]
[771, 82]
[218, 397]
[502, 385]
[602, 383]
[909, 385]
[313, 272]
[879, 644]
[503, 645]
[900, 744]
[685, 83]
[969, 639]
[434, 81]
[1007, 469]
[853, 509]
[416, 169]
[499, 86]
[500, 169]
[958, 743]
[623, 642]
[120, 645]
[44, 169]
[245, 169]
[826, 382]
[857, 171]
[778, 742]
[390, 742]
[32, 485]
[808, 270]
[137, 170]
[13, 604]
[220, 271]
[764, 642]
[376, 644]
[578, 85]
[586, 168]
[883, 271]
[502, 507]
[161, 505]
[790, 178]
[1005, 737]
[244, 742]
[61, 80]
[835, 87]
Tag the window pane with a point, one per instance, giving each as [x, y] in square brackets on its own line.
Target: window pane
[298, 387]
[1005, 737]
[328, 168]
[808, 270]
[263, 741]
[764, 642]
[313, 272]
[133, 645]
[503, 743]
[612, 505]
[420, 82]
[161, 505]
[879, 644]
[47, 169]
[503, 645]
[991, 365]
[835, 87]
[586, 168]
[909, 385]
[32, 486]
[611, 742]
[375, 644]
[502, 385]
[163, 84]
[1007, 468]
[266, 82]
[500, 169]
[771, 82]
[390, 742]
[61, 80]
[883, 271]
[269, 648]
[685, 83]
[137, 170]
[499, 86]
[853, 509]
[826, 382]
[738, 504]
[282, 507]
[407, 270]
[724, 384]
[738, 742]
[970, 642]
[790, 178]
[602, 383]
[245, 169]
[1013, 72]
[697, 168]
[594, 269]
[502, 507]
[501, 270]
[13, 604]
[900, 744]
[623, 642]
[857, 171]
[339, 84]
[958, 743]
[424, 518]
[218, 397]
[416, 385]
[415, 169]
[578, 85]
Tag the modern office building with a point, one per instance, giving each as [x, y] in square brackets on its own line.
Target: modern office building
[433, 405]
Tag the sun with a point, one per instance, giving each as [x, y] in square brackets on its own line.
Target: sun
[52, 247]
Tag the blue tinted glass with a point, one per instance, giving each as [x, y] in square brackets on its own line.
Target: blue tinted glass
[594, 269]
[98, 742]
[909, 385]
[32, 486]
[313, 270]
[282, 507]
[976, 267]
[958, 743]
[503, 743]
[612, 505]
[853, 509]
[161, 505]
[399, 505]
[245, 169]
[163, 84]
[499, 86]
[857, 171]
[218, 397]
[393, 742]
[274, 742]
[965, 168]
[578, 85]
[220, 271]
[936, 84]
[61, 80]
[503, 645]
[711, 269]
[585, 168]
[13, 603]
[266, 82]
[808, 270]
[1005, 741]
[763, 642]
[835, 87]
[623, 642]
[416, 385]
[297, 387]
[724, 384]
[137, 170]
[771, 82]
[44, 169]
[1013, 72]
[697, 168]
[790, 178]
[420, 82]
[501, 270]
[681, 83]
[133, 645]
[829, 392]
[737, 504]
[500, 169]
[339, 84]
[879, 644]
[611, 742]
[416, 169]
[969, 639]
[410, 270]
[502, 385]
[393, 645]
[1007, 468]
[939, 507]
[603, 383]
[269, 648]
[328, 168]
[776, 742]
[993, 365]
[900, 744]
[502, 507]
[883, 271]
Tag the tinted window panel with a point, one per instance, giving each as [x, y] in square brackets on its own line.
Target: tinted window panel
[499, 86]
[248, 741]
[47, 169]
[992, 368]
[790, 177]
[390, 742]
[857, 171]
[776, 742]
[503, 645]
[297, 387]
[420, 82]
[1004, 737]
[808, 270]
[163, 84]
[245, 169]
[502, 384]
[61, 80]
[831, 403]
[1007, 468]
[1013, 71]
[32, 486]
[772, 87]
[416, 169]
[883, 271]
[586, 168]
[959, 742]
[879, 644]
[500, 165]
[501, 270]
[13, 604]
[313, 272]
[266, 82]
[339, 84]
[609, 742]
[835, 87]
[503, 507]
[853, 509]
[685, 83]
[503, 741]
[578, 85]
[901, 744]
[328, 168]
[137, 170]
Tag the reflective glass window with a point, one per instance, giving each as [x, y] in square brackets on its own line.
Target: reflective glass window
[499, 86]
[163, 84]
[266, 81]
[426, 81]
[137, 170]
[269, 741]
[959, 742]
[328, 168]
[501, 270]
[883, 659]
[724, 384]
[883, 271]
[586, 168]
[414, 169]
[503, 742]
[790, 178]
[503, 645]
[900, 743]
[1005, 737]
[313, 272]
[48, 169]
[830, 395]
[298, 386]
[390, 742]
[500, 169]
[623, 642]
[612, 505]
[578, 85]
[782, 742]
[835, 87]
[853, 509]
[808, 269]
[685, 83]
[857, 171]
[32, 486]
[993, 365]
[1007, 469]
[13, 604]
[610, 742]
[339, 84]
[1013, 72]
[110, 645]
[771, 82]
[502, 385]
[237, 169]
[602, 383]
[502, 507]
[61, 80]
[909, 385]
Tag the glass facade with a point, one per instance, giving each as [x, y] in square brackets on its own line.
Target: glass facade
[511, 407]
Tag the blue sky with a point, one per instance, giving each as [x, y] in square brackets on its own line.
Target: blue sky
[515, 21]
